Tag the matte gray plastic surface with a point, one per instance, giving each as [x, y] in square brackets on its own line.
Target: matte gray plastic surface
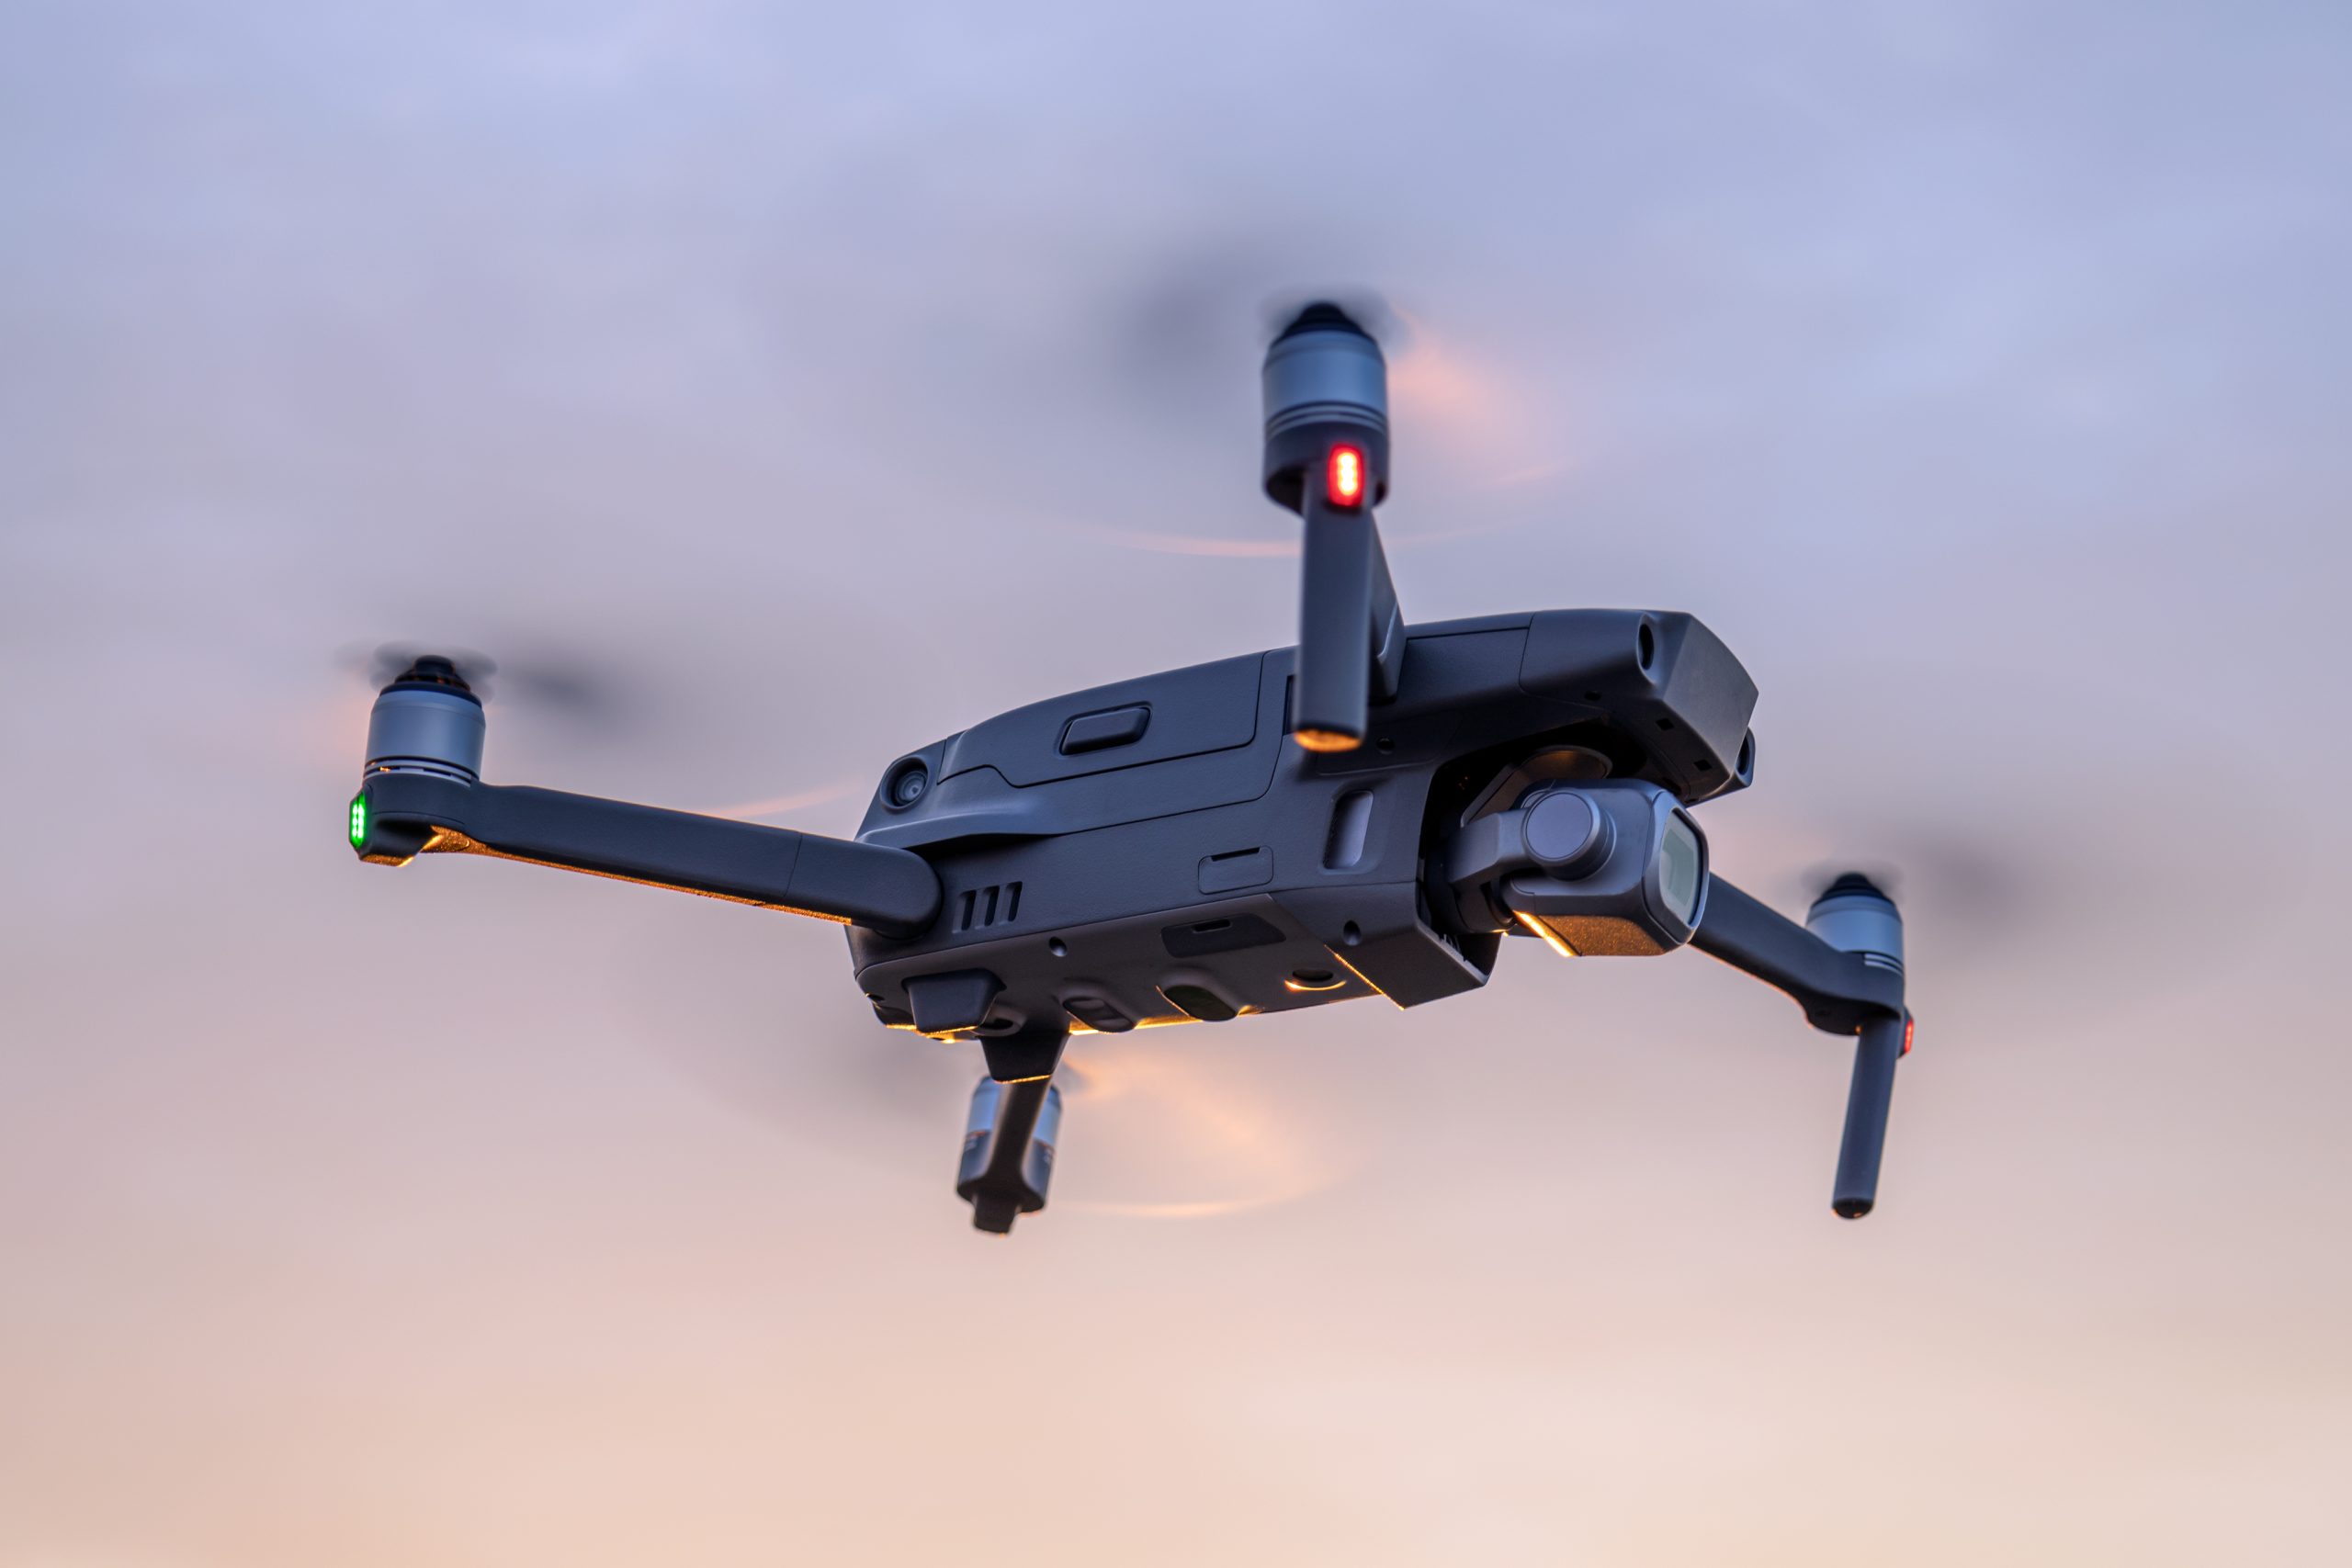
[1324, 374]
[417, 729]
[1863, 921]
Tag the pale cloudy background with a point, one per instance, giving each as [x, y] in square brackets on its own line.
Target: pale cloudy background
[832, 378]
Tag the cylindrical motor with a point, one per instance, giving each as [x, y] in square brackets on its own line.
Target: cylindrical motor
[1326, 385]
[1854, 915]
[427, 721]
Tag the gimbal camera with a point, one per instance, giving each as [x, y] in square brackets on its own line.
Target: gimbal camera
[1368, 813]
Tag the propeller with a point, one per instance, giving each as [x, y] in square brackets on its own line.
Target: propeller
[1184, 348]
[549, 680]
[1186, 337]
[1367, 308]
[1975, 892]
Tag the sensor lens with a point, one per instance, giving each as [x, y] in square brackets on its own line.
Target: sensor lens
[907, 783]
[1199, 1001]
[1678, 868]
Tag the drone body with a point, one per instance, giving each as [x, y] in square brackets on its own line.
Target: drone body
[1368, 813]
[1161, 851]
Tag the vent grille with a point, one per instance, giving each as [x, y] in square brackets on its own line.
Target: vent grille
[981, 908]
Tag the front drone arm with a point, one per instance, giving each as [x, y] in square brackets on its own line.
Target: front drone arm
[1844, 966]
[420, 793]
[397, 815]
[1840, 990]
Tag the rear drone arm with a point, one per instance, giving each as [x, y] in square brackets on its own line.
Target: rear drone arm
[420, 795]
[397, 815]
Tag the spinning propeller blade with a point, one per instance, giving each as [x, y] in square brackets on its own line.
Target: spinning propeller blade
[549, 680]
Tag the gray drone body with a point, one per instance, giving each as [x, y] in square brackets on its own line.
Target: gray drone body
[1159, 851]
[1366, 815]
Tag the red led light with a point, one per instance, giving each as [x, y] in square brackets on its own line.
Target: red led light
[1910, 1025]
[1344, 477]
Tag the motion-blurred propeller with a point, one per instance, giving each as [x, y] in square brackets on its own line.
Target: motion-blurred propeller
[1186, 343]
[1969, 893]
[547, 680]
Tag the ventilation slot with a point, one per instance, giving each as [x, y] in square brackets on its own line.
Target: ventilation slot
[981, 908]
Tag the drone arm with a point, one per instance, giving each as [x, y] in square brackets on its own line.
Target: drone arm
[889, 890]
[1845, 968]
[1838, 990]
[1351, 631]
[1327, 459]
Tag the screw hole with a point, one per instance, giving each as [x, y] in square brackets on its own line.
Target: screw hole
[1058, 947]
[1351, 934]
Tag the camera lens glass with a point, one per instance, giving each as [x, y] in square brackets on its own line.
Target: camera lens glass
[1679, 861]
[907, 783]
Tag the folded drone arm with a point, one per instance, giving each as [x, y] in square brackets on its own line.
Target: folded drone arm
[398, 815]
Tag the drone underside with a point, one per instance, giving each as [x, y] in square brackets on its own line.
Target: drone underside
[1158, 851]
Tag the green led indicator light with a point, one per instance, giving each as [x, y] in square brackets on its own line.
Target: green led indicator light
[358, 820]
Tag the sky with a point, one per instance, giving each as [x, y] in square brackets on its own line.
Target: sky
[820, 380]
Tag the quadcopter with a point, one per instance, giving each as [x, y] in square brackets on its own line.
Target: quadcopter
[1366, 815]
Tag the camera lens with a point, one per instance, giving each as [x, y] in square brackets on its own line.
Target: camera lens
[1679, 865]
[907, 783]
